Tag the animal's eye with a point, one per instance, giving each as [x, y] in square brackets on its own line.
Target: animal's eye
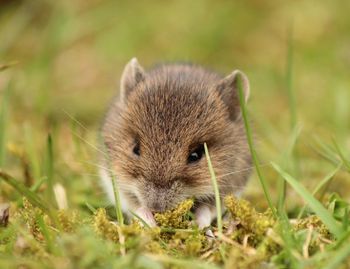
[136, 149]
[196, 154]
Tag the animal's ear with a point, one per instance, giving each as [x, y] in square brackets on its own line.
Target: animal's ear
[228, 91]
[132, 75]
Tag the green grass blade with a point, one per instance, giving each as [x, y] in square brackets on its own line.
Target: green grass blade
[38, 184]
[286, 159]
[3, 122]
[23, 190]
[338, 257]
[291, 97]
[90, 207]
[345, 221]
[145, 224]
[319, 186]
[324, 151]
[251, 146]
[118, 207]
[31, 151]
[32, 197]
[49, 171]
[289, 79]
[113, 177]
[341, 240]
[341, 154]
[44, 230]
[216, 190]
[313, 203]
[2, 131]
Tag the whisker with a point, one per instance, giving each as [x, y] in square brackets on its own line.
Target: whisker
[85, 128]
[88, 143]
[74, 119]
[243, 170]
[97, 165]
[90, 174]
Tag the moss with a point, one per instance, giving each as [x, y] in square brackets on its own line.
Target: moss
[195, 244]
[316, 223]
[104, 227]
[251, 223]
[241, 259]
[247, 244]
[268, 248]
[188, 244]
[154, 247]
[29, 215]
[69, 220]
[28, 245]
[320, 234]
[176, 218]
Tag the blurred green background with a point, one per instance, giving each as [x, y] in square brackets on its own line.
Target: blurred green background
[69, 55]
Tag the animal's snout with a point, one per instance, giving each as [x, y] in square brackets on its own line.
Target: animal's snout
[159, 198]
[157, 206]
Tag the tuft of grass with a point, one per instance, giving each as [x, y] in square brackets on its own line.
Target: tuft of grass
[30, 195]
[23, 190]
[320, 185]
[313, 203]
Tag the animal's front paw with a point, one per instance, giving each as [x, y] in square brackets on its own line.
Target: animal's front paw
[204, 216]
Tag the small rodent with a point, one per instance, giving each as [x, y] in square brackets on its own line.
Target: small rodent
[154, 134]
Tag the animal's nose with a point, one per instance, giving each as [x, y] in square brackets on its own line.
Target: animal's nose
[157, 206]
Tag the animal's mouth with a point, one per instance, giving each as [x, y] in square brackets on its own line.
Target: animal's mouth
[146, 216]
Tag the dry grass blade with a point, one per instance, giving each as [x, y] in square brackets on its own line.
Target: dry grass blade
[4, 214]
[7, 65]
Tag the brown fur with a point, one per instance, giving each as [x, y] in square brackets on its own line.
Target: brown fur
[169, 111]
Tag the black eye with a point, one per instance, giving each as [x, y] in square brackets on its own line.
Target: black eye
[196, 155]
[136, 149]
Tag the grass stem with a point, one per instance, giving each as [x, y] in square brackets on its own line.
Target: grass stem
[49, 170]
[216, 189]
[251, 147]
